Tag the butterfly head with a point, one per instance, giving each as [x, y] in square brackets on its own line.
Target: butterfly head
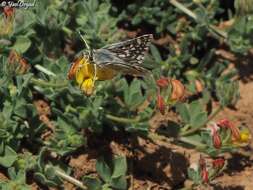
[82, 59]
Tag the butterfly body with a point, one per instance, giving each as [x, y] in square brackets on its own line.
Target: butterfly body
[103, 64]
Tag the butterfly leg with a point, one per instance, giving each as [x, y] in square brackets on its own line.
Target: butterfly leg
[95, 74]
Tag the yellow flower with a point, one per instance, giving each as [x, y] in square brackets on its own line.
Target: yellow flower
[87, 86]
[86, 74]
[245, 138]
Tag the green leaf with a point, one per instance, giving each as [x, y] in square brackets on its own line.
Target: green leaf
[22, 81]
[12, 173]
[198, 116]
[120, 167]
[103, 170]
[22, 44]
[93, 5]
[119, 183]
[50, 172]
[206, 138]
[42, 179]
[199, 119]
[140, 127]
[133, 95]
[1, 145]
[183, 112]
[8, 158]
[155, 53]
[195, 107]
[194, 175]
[106, 187]
[25, 21]
[92, 183]
[227, 92]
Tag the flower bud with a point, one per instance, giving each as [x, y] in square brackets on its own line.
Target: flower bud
[16, 64]
[8, 11]
[162, 82]
[217, 143]
[203, 169]
[218, 163]
[7, 22]
[160, 104]
[178, 90]
[234, 130]
[216, 140]
[198, 86]
[204, 175]
[202, 162]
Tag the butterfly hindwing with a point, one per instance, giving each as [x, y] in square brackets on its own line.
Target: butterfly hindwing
[131, 51]
[104, 58]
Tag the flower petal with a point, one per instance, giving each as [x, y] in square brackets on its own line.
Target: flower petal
[88, 86]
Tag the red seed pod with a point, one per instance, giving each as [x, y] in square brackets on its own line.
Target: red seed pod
[204, 176]
[203, 169]
[234, 130]
[218, 163]
[162, 82]
[217, 143]
[216, 140]
[160, 104]
[202, 162]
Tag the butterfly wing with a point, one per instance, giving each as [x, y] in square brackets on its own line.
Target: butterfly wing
[126, 56]
[131, 51]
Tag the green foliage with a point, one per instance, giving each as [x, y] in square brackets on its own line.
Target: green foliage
[8, 156]
[113, 178]
[193, 114]
[239, 35]
[227, 92]
[17, 180]
[243, 7]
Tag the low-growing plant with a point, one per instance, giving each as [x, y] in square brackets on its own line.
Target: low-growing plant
[112, 178]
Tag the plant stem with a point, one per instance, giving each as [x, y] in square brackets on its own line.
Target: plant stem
[44, 70]
[220, 108]
[70, 179]
[195, 17]
[218, 31]
[156, 137]
[40, 82]
[67, 30]
[184, 9]
[192, 142]
[122, 119]
[193, 130]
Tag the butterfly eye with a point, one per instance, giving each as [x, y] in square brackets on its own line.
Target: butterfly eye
[91, 55]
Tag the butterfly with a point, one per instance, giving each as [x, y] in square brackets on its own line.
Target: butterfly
[103, 64]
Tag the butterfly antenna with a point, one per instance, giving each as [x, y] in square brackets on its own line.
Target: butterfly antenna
[86, 43]
[95, 73]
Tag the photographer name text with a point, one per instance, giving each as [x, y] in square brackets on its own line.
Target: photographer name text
[18, 4]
